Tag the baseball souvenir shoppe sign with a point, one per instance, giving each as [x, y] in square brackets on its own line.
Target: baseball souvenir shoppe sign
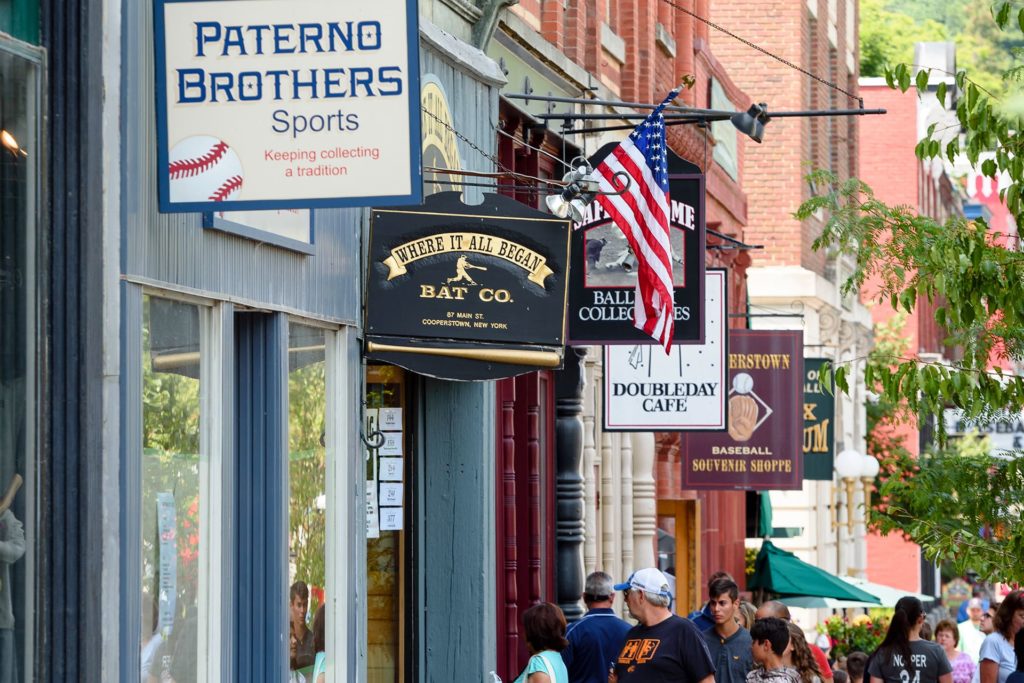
[467, 292]
[762, 447]
[647, 390]
[276, 104]
[603, 281]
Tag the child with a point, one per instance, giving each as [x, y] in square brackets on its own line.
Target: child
[770, 637]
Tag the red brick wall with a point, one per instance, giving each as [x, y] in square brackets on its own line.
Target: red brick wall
[774, 170]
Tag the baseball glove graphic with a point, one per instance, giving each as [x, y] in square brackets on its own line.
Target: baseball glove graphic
[743, 412]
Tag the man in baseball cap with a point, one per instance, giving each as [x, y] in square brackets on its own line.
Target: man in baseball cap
[663, 646]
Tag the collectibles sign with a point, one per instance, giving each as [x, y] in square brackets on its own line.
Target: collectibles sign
[819, 422]
[467, 292]
[268, 104]
[1003, 435]
[603, 284]
[761, 449]
[646, 390]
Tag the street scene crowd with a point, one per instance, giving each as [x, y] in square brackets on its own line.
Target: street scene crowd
[730, 640]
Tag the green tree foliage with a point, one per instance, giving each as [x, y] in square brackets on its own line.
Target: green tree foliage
[959, 503]
[307, 474]
[888, 37]
[889, 29]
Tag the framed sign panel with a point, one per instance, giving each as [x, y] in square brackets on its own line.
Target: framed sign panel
[647, 390]
[761, 448]
[277, 104]
[603, 279]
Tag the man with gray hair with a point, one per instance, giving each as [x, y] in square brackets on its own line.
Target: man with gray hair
[663, 646]
[597, 638]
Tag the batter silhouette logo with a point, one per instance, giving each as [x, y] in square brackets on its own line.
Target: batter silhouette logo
[462, 268]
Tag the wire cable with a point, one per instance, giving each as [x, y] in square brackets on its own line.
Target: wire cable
[763, 51]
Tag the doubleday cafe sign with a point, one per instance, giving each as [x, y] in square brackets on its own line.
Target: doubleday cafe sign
[272, 104]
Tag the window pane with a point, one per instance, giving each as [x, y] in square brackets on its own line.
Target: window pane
[17, 370]
[387, 470]
[307, 411]
[170, 490]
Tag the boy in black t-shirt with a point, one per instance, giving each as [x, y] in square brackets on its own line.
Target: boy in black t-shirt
[663, 646]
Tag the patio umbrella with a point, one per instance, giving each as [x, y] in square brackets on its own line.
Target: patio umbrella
[782, 572]
[887, 594]
[816, 602]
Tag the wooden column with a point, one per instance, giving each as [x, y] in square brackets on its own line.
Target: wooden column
[569, 483]
[644, 503]
[508, 647]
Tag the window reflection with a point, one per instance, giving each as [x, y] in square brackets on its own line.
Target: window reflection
[18, 187]
[170, 491]
[307, 411]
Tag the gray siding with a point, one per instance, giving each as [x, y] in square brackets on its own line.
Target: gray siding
[174, 250]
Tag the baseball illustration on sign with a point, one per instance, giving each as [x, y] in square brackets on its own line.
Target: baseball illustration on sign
[203, 168]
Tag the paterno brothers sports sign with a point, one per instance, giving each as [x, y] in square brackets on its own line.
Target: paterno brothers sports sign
[273, 104]
[762, 448]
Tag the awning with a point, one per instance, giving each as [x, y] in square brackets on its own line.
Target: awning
[815, 602]
[782, 572]
[887, 594]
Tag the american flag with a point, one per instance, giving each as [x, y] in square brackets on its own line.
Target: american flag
[642, 213]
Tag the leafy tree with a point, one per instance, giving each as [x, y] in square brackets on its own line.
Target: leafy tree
[888, 38]
[956, 504]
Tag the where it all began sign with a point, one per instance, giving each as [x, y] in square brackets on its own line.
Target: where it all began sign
[467, 292]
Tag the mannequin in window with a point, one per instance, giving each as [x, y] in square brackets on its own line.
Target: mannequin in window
[12, 547]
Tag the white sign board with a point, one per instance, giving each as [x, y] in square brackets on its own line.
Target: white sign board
[646, 389]
[1004, 435]
[274, 104]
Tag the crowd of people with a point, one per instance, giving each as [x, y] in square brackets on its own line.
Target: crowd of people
[731, 641]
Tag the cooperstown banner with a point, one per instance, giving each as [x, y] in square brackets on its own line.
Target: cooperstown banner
[762, 448]
[273, 104]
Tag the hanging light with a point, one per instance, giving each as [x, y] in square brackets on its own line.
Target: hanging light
[751, 122]
[580, 189]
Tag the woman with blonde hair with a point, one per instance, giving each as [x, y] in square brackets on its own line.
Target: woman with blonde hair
[798, 656]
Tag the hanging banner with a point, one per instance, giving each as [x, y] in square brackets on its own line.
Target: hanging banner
[819, 422]
[647, 390]
[276, 104]
[603, 278]
[467, 292]
[762, 447]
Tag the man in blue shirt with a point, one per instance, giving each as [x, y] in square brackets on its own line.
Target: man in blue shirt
[596, 639]
[728, 642]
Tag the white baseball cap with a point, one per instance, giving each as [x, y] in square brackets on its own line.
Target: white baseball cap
[649, 580]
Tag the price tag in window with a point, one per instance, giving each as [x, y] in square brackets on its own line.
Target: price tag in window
[391, 419]
[392, 444]
[390, 469]
[391, 519]
[390, 493]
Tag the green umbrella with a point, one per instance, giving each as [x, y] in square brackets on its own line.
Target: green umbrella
[782, 572]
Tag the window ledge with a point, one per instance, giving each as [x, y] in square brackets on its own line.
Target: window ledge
[613, 44]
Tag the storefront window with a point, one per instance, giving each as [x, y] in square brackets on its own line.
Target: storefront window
[19, 153]
[386, 473]
[307, 412]
[171, 547]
